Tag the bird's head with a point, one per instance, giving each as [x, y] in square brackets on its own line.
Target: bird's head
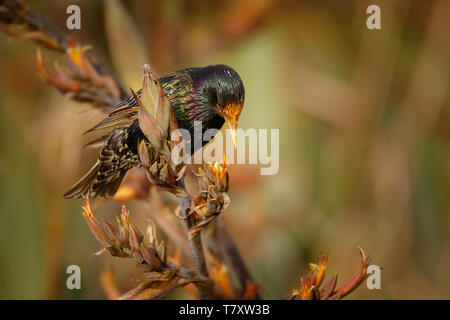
[223, 91]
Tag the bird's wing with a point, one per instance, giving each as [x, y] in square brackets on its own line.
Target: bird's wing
[105, 176]
[177, 86]
[123, 114]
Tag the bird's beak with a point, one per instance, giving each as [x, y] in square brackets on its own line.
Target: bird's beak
[232, 124]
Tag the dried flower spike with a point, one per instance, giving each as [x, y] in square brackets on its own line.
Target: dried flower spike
[310, 288]
[126, 240]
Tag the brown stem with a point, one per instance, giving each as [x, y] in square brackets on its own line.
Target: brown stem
[229, 253]
[198, 256]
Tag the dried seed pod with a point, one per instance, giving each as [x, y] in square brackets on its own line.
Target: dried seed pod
[150, 255]
[162, 251]
[126, 240]
[213, 199]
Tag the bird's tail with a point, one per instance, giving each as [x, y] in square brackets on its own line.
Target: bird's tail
[83, 186]
[90, 185]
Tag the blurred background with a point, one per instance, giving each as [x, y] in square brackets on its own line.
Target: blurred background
[364, 140]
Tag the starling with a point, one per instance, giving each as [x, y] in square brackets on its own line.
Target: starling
[211, 95]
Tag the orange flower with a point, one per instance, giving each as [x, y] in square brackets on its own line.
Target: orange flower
[310, 288]
[77, 53]
[219, 170]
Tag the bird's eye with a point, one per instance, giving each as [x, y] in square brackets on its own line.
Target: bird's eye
[212, 97]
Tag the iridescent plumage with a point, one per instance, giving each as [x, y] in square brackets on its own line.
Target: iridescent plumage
[212, 95]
